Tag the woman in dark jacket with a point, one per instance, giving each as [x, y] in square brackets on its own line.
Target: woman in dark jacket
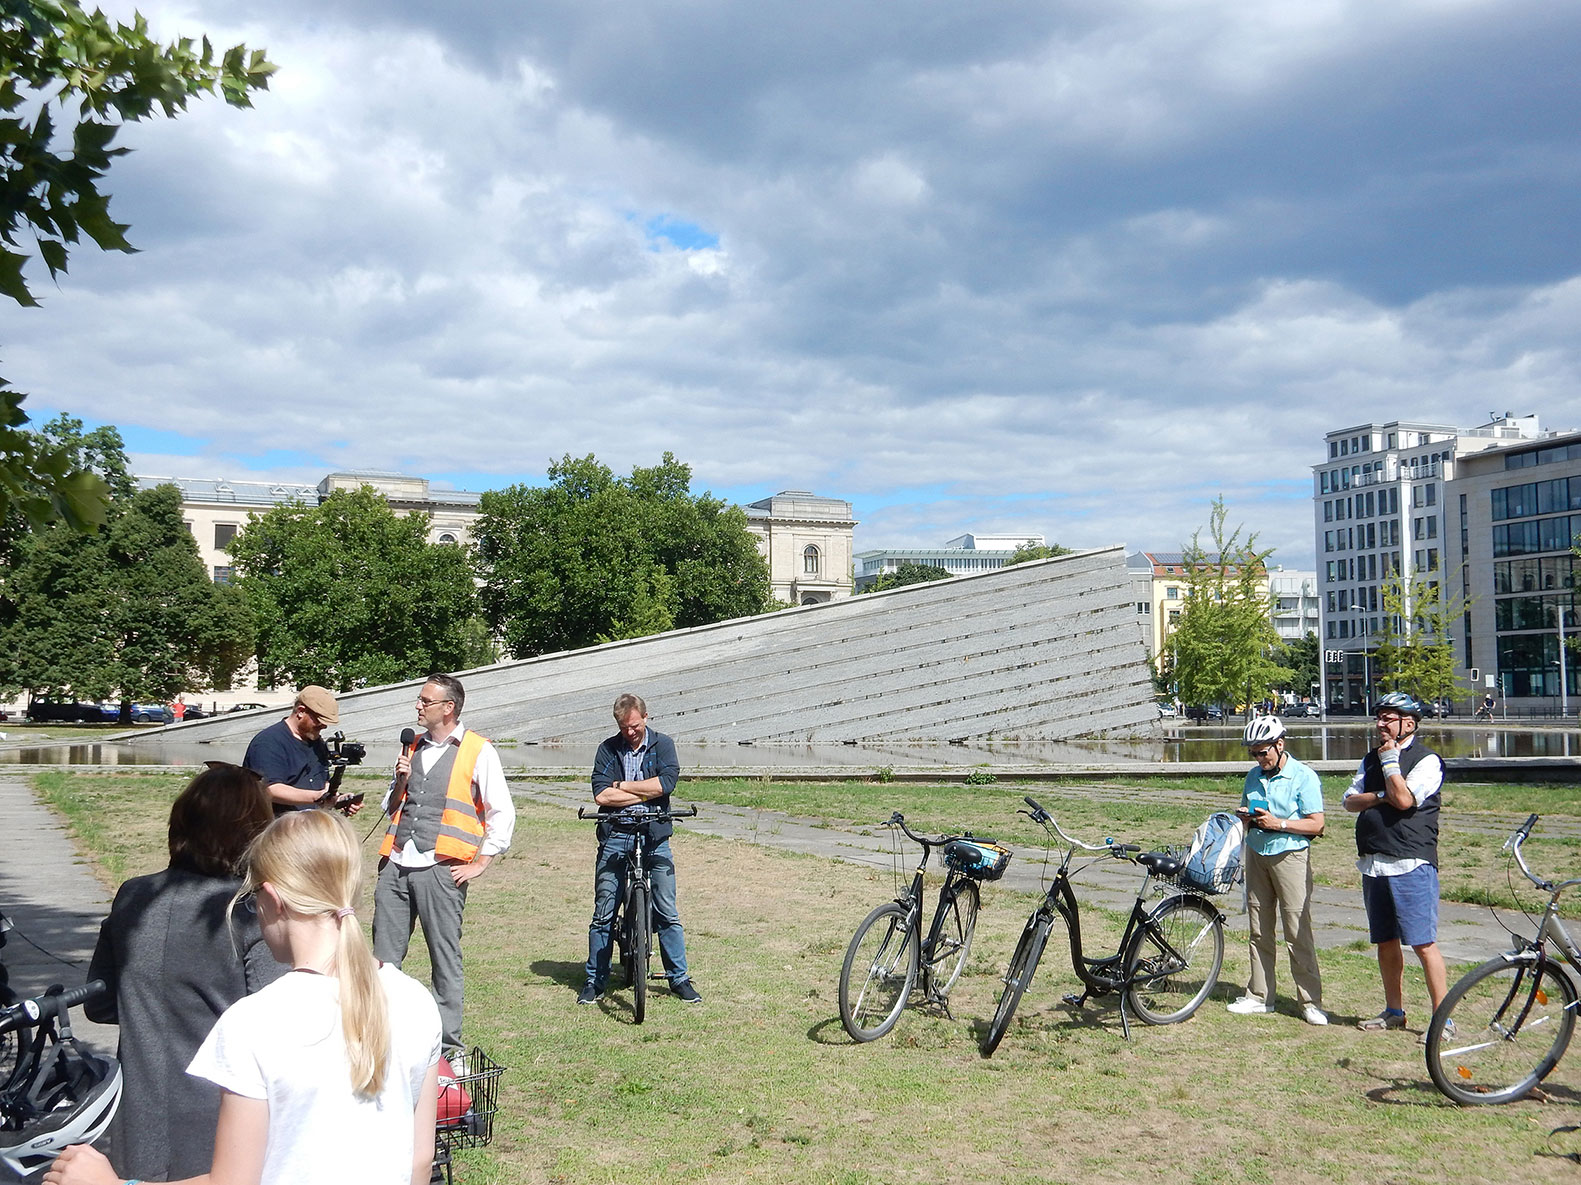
[173, 964]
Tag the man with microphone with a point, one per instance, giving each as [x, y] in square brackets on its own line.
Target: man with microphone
[450, 814]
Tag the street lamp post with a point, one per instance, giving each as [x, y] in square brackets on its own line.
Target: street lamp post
[1564, 689]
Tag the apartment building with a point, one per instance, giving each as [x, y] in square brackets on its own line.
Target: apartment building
[1382, 504]
[1517, 517]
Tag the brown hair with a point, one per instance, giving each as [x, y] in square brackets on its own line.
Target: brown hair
[214, 819]
[626, 703]
[452, 688]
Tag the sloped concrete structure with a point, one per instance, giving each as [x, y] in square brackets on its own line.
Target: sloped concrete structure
[1042, 651]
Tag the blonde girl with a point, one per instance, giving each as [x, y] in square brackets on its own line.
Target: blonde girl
[330, 1073]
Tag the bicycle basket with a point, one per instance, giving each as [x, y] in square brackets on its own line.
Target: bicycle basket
[984, 861]
[468, 1101]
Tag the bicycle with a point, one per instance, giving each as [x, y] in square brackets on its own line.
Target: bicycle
[633, 921]
[887, 953]
[1168, 959]
[1505, 1024]
[56, 1092]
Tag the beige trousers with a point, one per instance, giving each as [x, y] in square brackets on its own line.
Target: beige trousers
[1283, 881]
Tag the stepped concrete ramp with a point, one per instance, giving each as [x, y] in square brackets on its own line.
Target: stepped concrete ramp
[1047, 650]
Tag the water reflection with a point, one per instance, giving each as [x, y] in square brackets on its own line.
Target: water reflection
[1309, 742]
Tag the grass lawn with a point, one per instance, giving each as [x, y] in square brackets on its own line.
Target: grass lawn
[760, 1083]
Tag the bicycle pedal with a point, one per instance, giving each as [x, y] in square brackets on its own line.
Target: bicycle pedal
[1074, 999]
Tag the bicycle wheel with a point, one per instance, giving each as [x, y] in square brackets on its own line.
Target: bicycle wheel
[948, 957]
[880, 969]
[1174, 961]
[1023, 966]
[1512, 1022]
[639, 920]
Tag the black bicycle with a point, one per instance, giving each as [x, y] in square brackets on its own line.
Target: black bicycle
[55, 1092]
[888, 952]
[1168, 960]
[633, 923]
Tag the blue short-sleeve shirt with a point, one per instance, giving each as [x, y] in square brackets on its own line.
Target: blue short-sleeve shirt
[1292, 793]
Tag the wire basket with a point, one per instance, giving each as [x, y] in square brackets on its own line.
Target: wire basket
[1224, 882]
[474, 1127]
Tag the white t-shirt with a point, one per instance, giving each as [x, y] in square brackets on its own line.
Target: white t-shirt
[284, 1044]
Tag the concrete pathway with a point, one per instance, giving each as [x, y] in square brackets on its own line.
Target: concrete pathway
[52, 900]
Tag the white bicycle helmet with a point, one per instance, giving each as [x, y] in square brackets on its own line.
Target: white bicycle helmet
[1263, 730]
[70, 1099]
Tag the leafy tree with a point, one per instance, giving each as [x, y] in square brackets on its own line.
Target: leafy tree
[592, 557]
[1223, 646]
[72, 70]
[1414, 648]
[66, 66]
[1301, 657]
[906, 572]
[123, 611]
[348, 593]
[1036, 551]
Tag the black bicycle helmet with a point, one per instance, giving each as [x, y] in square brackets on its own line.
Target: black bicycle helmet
[1402, 702]
[70, 1100]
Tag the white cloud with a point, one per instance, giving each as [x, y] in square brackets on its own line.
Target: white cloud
[1073, 269]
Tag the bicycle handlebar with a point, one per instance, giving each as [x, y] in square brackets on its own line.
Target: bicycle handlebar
[26, 1014]
[1521, 835]
[621, 815]
[899, 820]
[1040, 815]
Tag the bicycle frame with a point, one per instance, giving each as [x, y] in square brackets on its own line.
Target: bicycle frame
[912, 901]
[1104, 974]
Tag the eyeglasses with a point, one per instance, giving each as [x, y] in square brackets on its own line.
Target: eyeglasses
[428, 703]
[1264, 751]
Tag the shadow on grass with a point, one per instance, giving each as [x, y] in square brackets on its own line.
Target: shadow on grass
[571, 975]
[830, 1032]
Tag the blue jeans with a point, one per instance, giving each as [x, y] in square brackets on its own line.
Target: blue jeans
[609, 879]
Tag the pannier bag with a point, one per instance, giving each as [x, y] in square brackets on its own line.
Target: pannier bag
[981, 859]
[1213, 863]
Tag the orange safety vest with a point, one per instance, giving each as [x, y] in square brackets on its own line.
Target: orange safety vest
[461, 825]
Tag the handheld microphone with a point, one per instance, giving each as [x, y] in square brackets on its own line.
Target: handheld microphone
[408, 739]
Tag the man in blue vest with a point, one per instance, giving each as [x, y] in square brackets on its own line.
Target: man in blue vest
[450, 814]
[635, 766]
[1395, 798]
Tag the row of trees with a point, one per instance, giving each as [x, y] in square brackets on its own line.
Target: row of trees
[1224, 649]
[348, 593]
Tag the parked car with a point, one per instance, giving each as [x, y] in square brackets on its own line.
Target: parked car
[1308, 709]
[194, 712]
[1167, 711]
[152, 714]
[46, 711]
[1441, 709]
[247, 707]
[1204, 712]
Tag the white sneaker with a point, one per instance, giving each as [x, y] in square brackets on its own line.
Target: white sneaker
[1313, 1015]
[1248, 1006]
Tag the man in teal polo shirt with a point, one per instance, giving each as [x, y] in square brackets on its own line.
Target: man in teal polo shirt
[1282, 804]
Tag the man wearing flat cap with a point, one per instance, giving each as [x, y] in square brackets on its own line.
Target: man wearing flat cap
[291, 754]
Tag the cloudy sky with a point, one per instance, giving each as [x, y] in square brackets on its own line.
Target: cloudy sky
[1068, 267]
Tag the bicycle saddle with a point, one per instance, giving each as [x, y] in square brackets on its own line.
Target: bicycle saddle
[1160, 864]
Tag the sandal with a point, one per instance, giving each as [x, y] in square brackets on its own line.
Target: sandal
[1384, 1020]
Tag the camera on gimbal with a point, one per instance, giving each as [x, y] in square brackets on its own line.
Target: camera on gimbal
[341, 754]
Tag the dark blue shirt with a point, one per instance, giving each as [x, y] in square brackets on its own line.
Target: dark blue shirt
[280, 756]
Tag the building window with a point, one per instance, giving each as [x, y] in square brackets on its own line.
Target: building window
[222, 574]
[223, 534]
[809, 560]
[1144, 607]
[447, 537]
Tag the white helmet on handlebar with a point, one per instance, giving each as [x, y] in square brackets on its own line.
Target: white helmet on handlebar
[1263, 730]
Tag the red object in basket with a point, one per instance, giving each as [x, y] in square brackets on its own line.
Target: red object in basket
[454, 1101]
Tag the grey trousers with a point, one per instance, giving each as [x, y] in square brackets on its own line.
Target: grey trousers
[1282, 882]
[403, 897]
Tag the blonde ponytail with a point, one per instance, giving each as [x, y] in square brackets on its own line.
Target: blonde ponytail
[313, 861]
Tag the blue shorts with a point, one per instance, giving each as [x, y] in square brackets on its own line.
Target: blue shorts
[1402, 907]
